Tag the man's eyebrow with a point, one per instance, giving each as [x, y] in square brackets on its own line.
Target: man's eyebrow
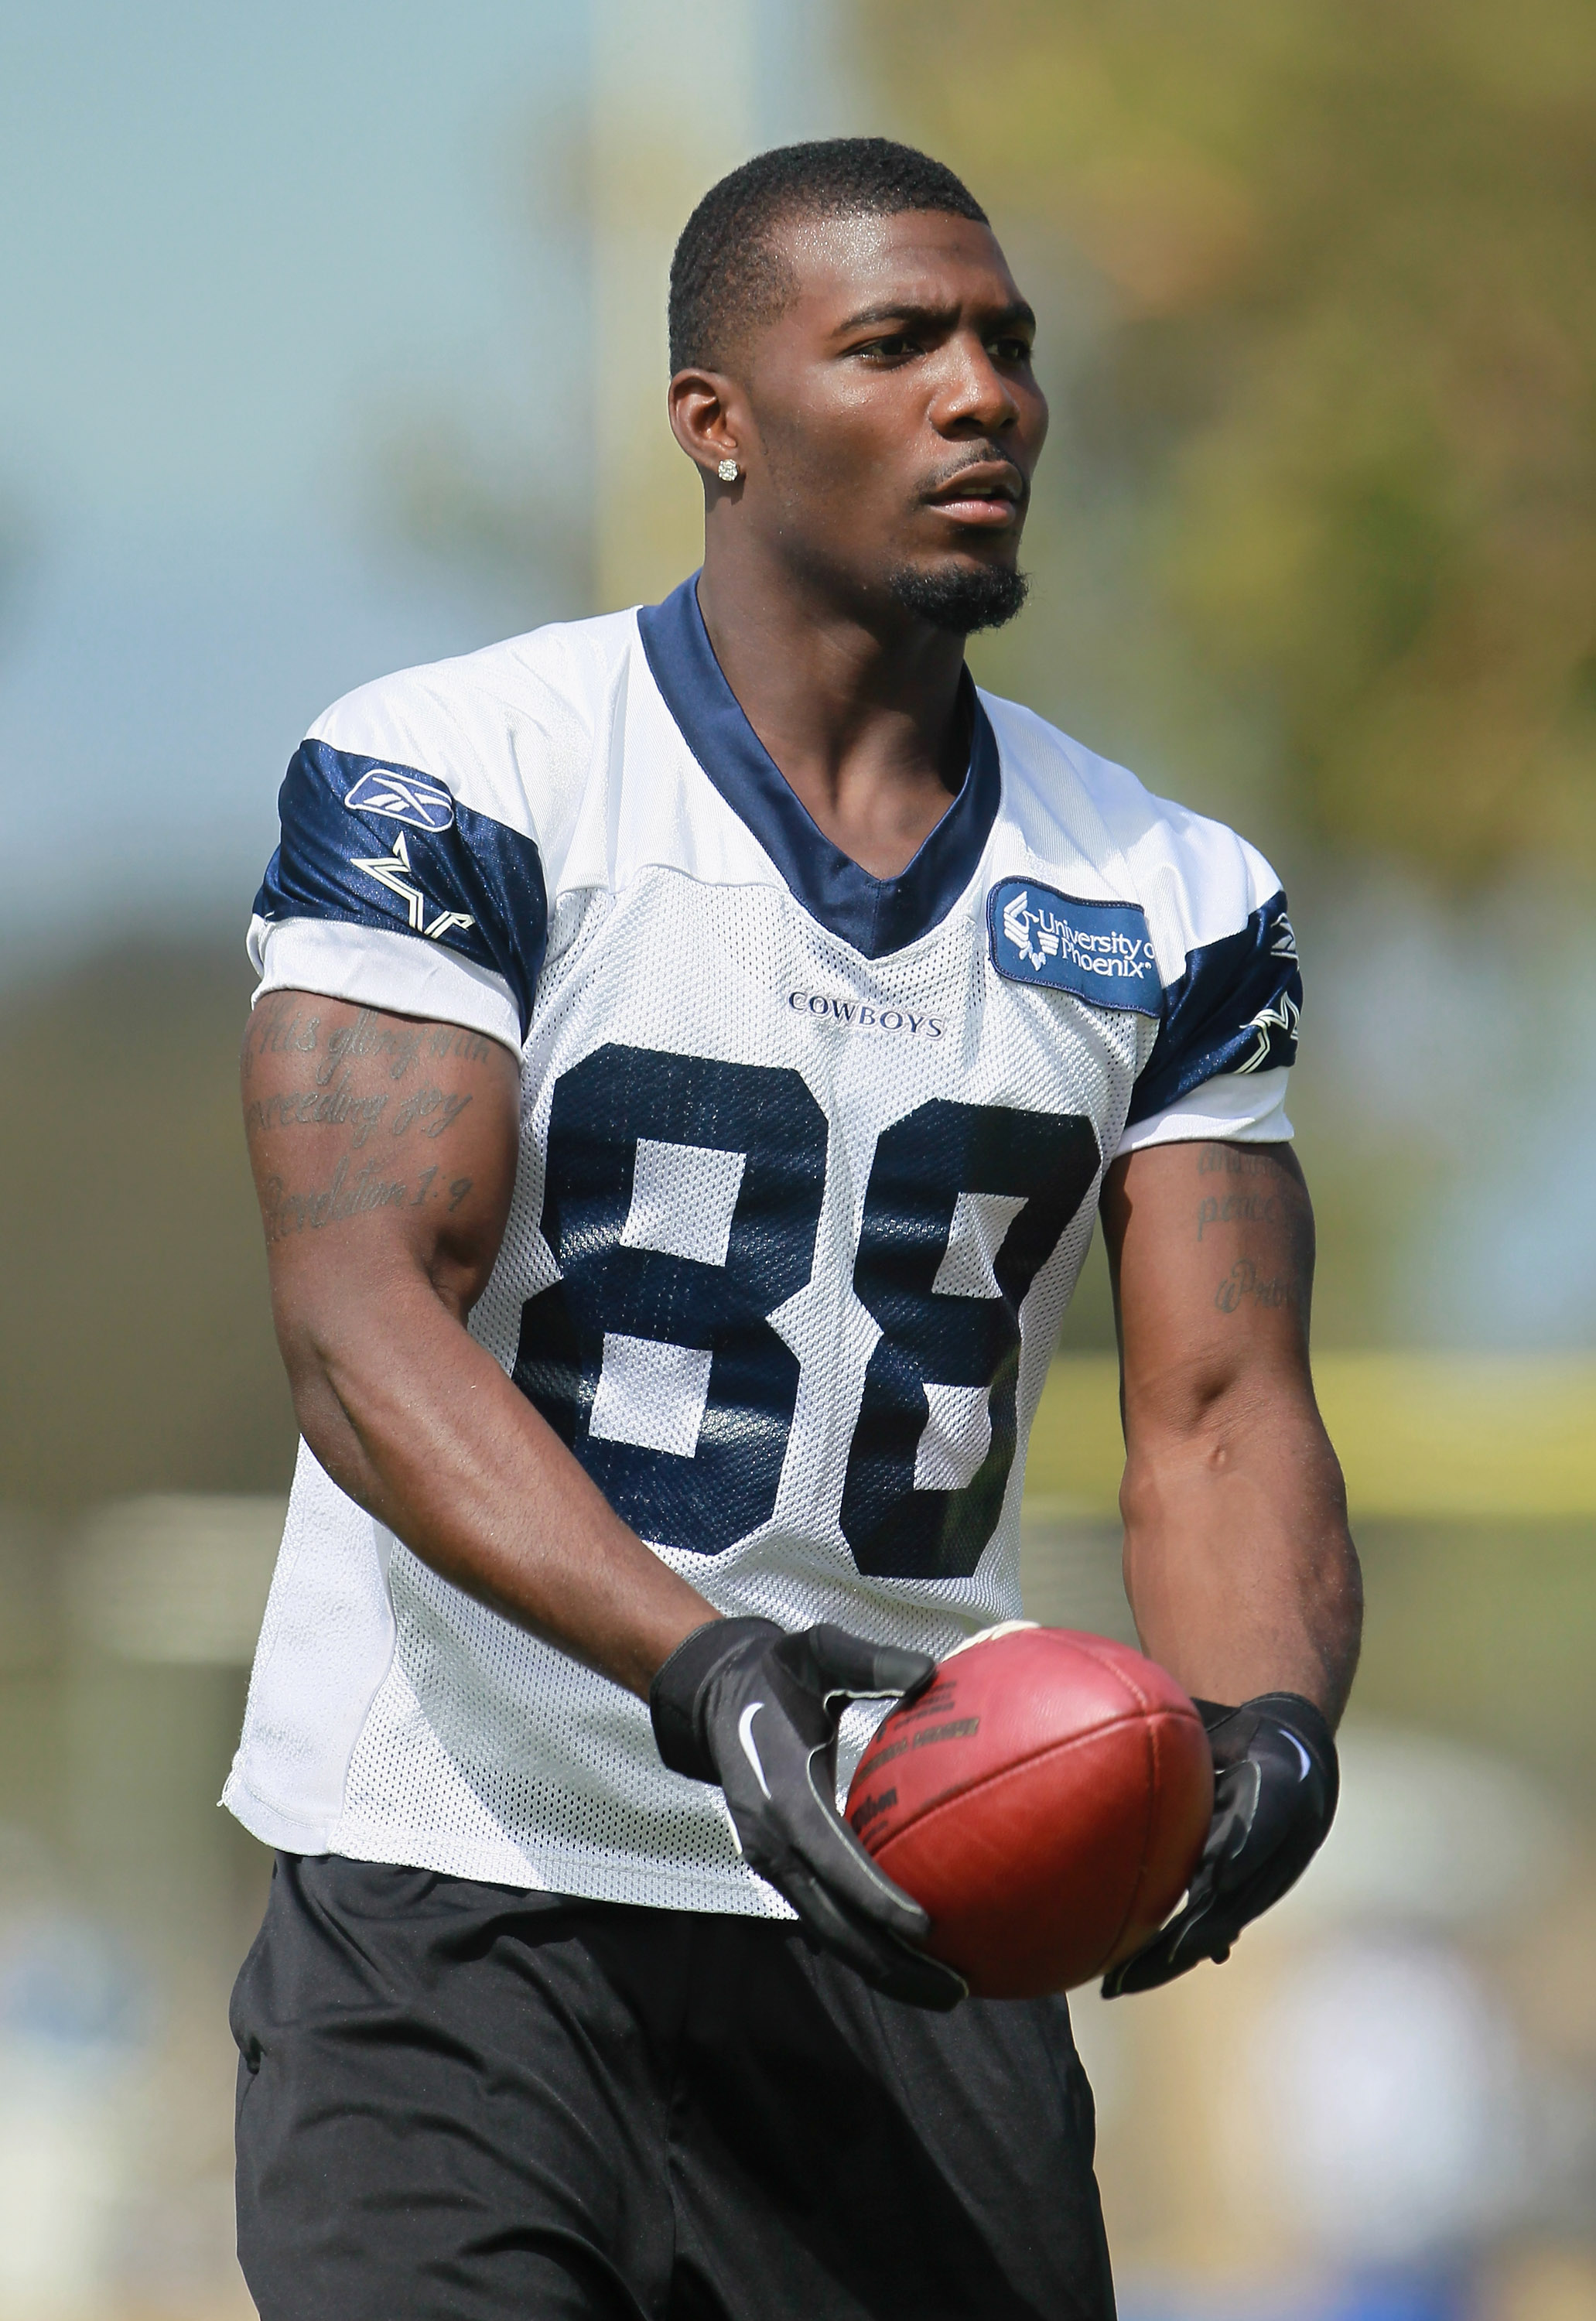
[905, 310]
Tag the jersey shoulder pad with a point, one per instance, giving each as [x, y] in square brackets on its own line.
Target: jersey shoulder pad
[1219, 915]
[1215, 913]
[425, 805]
[508, 730]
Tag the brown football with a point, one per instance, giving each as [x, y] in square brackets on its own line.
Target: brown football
[1045, 1800]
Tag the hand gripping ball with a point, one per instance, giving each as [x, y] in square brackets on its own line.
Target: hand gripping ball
[1045, 1801]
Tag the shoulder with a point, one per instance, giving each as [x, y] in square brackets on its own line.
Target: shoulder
[1195, 879]
[1230, 992]
[508, 731]
[419, 818]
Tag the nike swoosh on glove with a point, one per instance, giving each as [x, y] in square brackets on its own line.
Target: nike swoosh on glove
[1275, 1787]
[742, 1703]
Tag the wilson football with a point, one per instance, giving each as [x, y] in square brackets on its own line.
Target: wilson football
[1045, 1800]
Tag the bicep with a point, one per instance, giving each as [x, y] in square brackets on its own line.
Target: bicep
[1212, 1249]
[382, 1146]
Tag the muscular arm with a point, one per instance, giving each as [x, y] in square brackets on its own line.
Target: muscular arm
[1239, 1566]
[384, 1150]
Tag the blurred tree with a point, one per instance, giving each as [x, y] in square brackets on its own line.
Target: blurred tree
[486, 508]
[1327, 482]
[593, 506]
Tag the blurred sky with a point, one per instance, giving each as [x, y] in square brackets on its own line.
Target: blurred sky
[232, 237]
[241, 246]
[245, 251]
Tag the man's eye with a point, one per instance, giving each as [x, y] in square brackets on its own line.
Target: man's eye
[888, 350]
[1013, 351]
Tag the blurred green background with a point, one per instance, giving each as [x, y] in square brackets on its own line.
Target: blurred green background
[334, 340]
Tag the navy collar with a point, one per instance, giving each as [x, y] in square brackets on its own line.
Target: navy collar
[875, 915]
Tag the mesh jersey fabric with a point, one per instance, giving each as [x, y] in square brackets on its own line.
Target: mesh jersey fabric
[810, 1164]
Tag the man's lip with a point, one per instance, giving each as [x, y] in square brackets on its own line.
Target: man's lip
[987, 480]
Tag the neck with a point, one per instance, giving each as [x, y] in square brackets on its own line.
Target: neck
[859, 705]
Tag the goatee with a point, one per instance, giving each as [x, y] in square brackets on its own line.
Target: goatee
[962, 601]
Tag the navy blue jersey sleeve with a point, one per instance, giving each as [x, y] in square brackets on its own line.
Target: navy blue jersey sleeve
[1234, 1009]
[374, 844]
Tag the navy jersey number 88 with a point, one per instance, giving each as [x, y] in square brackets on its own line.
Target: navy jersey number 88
[615, 1288]
[602, 1109]
[1037, 1165]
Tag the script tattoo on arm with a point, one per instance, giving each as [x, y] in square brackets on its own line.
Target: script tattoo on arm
[279, 1027]
[1256, 1188]
[333, 1100]
[385, 1152]
[361, 1084]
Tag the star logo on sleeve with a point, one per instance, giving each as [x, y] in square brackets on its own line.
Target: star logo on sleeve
[393, 872]
[1276, 1026]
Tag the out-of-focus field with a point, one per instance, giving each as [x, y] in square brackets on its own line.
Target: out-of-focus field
[1425, 1436]
[1386, 2103]
[1418, 2023]
[1419, 2017]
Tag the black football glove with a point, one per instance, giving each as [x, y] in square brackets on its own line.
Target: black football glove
[742, 1703]
[1275, 1787]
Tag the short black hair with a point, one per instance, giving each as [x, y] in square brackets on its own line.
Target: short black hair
[727, 274]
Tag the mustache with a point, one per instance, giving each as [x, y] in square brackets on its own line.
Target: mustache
[979, 455]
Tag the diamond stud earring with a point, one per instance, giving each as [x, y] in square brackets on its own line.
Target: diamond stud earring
[728, 471]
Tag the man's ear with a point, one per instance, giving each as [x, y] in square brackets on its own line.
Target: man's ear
[702, 404]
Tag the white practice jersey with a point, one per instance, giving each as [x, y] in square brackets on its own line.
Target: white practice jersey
[809, 1162]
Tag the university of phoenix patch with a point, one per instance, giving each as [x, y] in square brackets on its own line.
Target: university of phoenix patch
[1096, 951]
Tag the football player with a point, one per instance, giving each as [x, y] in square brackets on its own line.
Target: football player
[691, 1050]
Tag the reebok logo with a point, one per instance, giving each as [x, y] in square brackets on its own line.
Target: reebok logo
[402, 796]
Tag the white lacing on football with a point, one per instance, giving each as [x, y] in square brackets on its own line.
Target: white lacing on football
[985, 1635]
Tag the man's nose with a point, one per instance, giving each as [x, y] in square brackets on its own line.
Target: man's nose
[972, 396]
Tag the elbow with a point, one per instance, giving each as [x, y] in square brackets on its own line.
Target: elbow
[319, 1411]
[1264, 1455]
[340, 1417]
[1182, 1450]
[356, 1353]
[317, 1339]
[304, 1339]
[1140, 1496]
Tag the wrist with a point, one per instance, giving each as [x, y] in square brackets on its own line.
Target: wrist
[1233, 1732]
[1301, 1716]
[679, 1696]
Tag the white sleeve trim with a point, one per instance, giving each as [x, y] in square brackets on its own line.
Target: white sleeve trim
[376, 968]
[1236, 1107]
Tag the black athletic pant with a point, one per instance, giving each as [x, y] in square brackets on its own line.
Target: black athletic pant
[460, 2101]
